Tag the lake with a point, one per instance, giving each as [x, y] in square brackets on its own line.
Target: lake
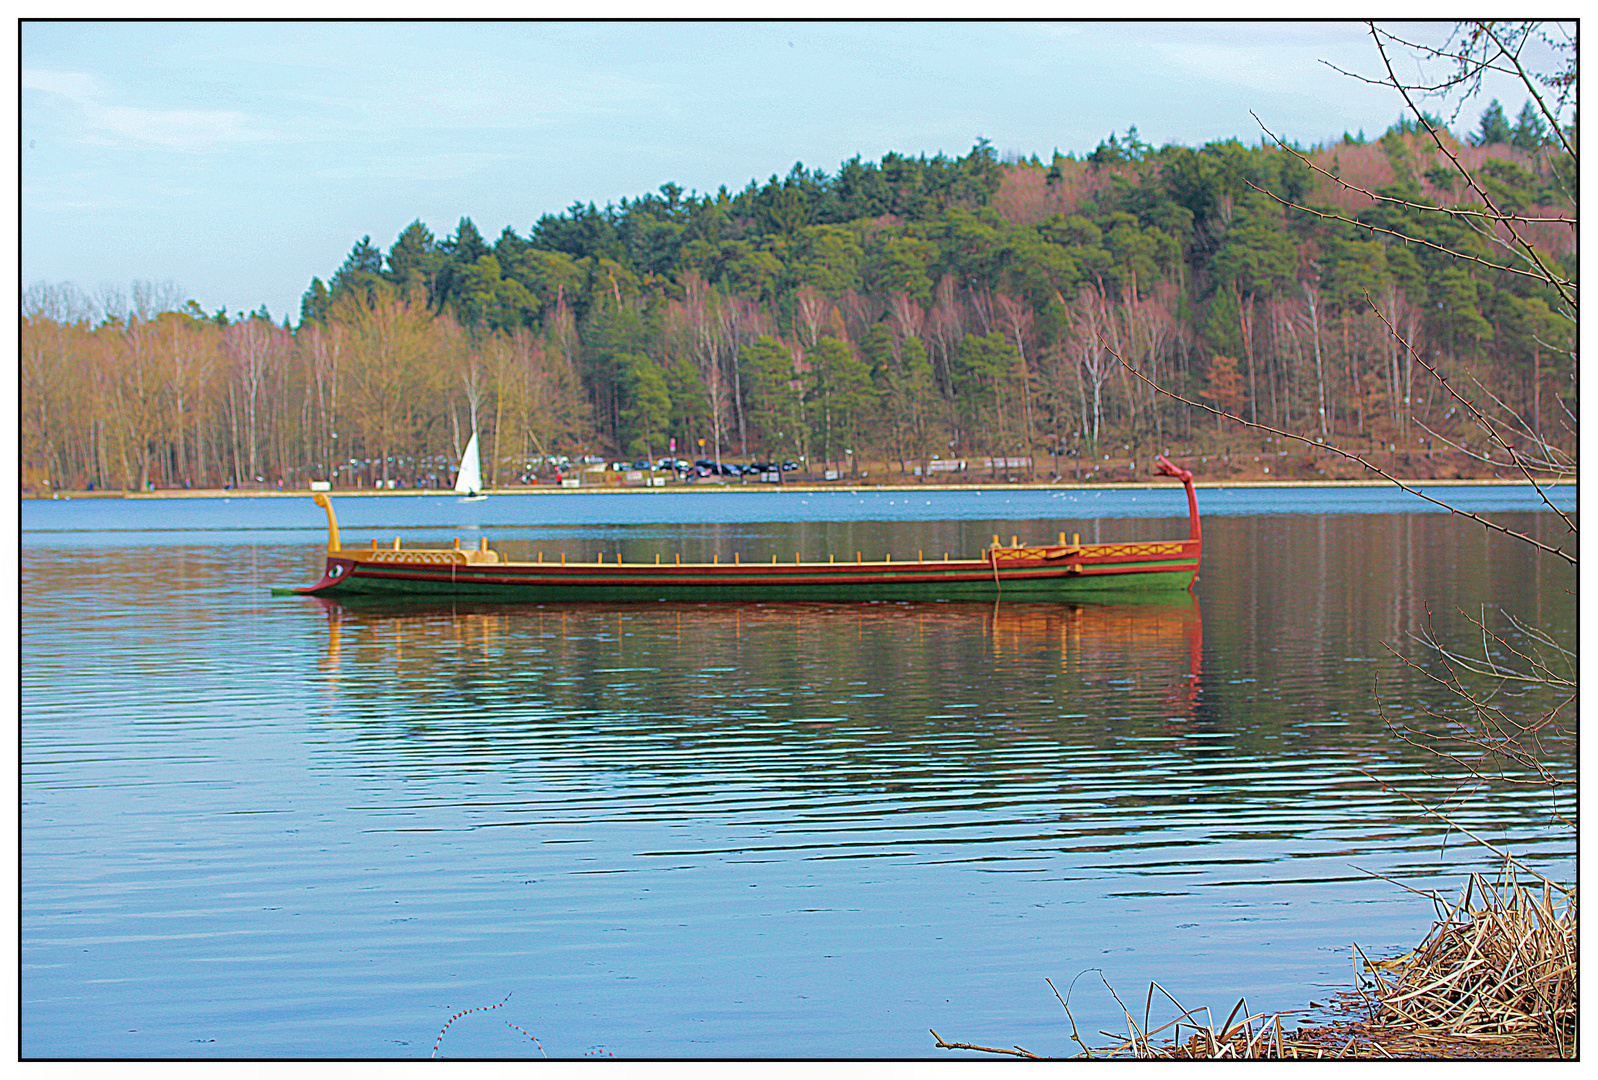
[265, 826]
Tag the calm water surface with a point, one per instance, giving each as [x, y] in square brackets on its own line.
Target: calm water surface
[271, 826]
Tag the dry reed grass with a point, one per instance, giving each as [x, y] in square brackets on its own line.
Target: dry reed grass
[1495, 978]
[1500, 964]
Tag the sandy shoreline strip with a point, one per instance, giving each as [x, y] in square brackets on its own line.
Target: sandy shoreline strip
[617, 489]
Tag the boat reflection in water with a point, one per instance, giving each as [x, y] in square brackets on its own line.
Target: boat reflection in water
[1165, 640]
[903, 666]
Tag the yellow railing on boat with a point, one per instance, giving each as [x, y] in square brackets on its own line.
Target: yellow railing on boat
[395, 554]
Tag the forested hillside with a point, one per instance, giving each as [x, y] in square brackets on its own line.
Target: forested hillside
[889, 312]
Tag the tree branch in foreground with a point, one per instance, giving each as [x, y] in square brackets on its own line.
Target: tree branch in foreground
[1377, 469]
[1015, 1052]
[1540, 274]
[1475, 412]
[1565, 288]
[1452, 211]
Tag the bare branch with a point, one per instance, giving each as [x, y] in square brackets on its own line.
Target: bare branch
[1553, 460]
[1455, 825]
[1087, 1051]
[1471, 66]
[1452, 211]
[1541, 638]
[1542, 276]
[1528, 82]
[1014, 1052]
[1545, 464]
[1564, 287]
[1514, 456]
[1493, 740]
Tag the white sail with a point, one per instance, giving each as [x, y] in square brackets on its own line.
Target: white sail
[469, 481]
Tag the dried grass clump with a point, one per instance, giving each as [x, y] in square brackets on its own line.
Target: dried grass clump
[1500, 963]
[1495, 978]
[1254, 1037]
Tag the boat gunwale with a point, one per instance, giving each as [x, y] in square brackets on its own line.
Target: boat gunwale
[1007, 558]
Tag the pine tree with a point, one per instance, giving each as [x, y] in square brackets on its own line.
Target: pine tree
[1530, 132]
[1494, 127]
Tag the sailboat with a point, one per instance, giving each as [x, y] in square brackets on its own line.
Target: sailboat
[469, 480]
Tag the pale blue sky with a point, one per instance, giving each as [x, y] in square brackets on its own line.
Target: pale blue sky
[240, 159]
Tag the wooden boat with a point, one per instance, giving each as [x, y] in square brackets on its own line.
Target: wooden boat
[1037, 572]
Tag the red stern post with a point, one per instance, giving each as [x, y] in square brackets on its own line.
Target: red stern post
[1165, 467]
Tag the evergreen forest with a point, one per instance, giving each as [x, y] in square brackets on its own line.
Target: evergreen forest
[874, 319]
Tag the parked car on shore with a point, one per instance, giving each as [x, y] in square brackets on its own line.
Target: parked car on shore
[707, 467]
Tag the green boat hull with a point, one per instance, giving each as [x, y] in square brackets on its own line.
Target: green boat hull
[961, 582]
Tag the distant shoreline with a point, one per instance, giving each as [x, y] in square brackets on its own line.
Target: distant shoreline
[808, 488]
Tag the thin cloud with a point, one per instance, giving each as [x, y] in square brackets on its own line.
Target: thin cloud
[166, 129]
[431, 168]
[487, 100]
[69, 84]
[41, 199]
[1262, 70]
